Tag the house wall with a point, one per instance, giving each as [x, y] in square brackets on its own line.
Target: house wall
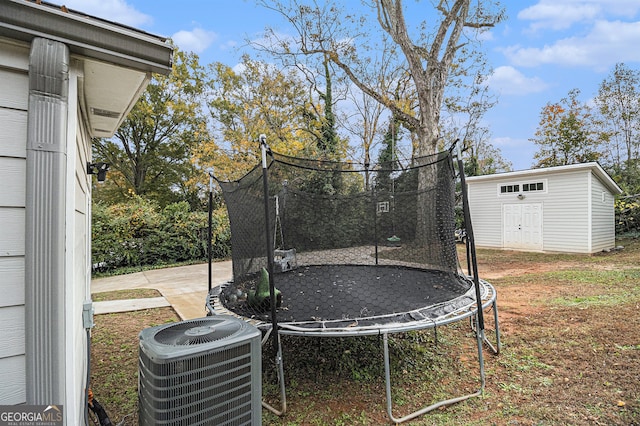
[78, 232]
[14, 66]
[603, 229]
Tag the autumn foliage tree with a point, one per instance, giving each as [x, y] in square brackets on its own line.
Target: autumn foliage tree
[249, 100]
[565, 135]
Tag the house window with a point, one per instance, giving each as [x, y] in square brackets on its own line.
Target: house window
[534, 186]
[508, 189]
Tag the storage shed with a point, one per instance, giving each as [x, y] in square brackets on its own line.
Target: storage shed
[65, 78]
[556, 209]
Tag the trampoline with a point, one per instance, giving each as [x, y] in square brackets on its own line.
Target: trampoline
[350, 300]
[317, 252]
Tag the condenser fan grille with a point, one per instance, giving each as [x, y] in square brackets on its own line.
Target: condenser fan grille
[197, 332]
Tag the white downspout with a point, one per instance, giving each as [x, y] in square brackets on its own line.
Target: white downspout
[45, 222]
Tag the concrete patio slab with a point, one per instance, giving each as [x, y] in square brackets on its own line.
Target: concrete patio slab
[183, 287]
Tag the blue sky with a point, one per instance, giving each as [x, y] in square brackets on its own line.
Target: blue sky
[544, 49]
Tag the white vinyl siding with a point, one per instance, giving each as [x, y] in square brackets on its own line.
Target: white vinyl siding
[566, 208]
[78, 274]
[602, 217]
[15, 89]
[13, 174]
[14, 83]
[486, 217]
[14, 128]
[574, 216]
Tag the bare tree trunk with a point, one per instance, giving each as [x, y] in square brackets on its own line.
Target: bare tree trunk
[425, 66]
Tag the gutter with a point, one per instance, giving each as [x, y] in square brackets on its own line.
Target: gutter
[85, 35]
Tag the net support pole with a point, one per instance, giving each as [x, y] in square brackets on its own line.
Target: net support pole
[210, 230]
[277, 350]
[471, 248]
[472, 266]
[470, 239]
[269, 246]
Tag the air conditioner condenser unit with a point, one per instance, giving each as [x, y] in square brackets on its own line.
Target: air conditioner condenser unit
[205, 371]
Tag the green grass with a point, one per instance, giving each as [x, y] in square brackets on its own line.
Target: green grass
[138, 293]
[133, 269]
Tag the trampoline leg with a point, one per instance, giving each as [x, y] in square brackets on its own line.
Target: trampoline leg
[495, 349]
[443, 403]
[283, 395]
[480, 337]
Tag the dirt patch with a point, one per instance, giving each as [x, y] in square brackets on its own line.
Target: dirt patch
[570, 355]
[514, 269]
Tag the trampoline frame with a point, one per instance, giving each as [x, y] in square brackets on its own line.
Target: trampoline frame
[485, 298]
[294, 328]
[489, 302]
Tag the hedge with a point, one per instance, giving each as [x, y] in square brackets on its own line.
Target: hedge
[628, 215]
[139, 233]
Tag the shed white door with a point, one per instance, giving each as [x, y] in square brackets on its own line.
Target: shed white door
[522, 226]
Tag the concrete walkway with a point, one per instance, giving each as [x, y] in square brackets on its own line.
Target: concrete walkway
[184, 288]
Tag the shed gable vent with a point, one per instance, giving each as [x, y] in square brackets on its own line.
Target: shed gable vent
[537, 186]
[519, 187]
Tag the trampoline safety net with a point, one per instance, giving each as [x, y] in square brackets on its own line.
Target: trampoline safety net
[351, 247]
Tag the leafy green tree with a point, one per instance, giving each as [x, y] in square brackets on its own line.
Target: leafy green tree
[618, 102]
[484, 159]
[328, 140]
[252, 99]
[565, 134]
[388, 156]
[150, 154]
[140, 232]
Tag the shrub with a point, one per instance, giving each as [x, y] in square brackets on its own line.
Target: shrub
[627, 211]
[138, 233]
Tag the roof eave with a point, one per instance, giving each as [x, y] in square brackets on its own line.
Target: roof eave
[86, 36]
[593, 166]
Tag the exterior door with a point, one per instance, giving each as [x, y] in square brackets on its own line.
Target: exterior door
[522, 226]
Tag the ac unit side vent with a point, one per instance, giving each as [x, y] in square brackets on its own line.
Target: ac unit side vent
[222, 359]
[167, 388]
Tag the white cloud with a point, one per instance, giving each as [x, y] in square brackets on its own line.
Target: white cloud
[607, 43]
[562, 14]
[229, 45]
[509, 81]
[559, 15]
[112, 10]
[196, 40]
